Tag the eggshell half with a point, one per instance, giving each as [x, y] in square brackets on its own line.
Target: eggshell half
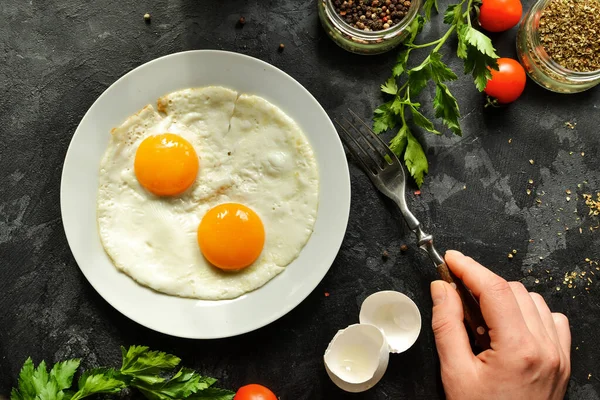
[357, 357]
[396, 315]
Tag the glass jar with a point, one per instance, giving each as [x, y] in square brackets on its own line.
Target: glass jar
[364, 42]
[540, 66]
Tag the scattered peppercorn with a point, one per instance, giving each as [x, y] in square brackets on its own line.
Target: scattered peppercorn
[403, 248]
[371, 15]
[147, 17]
[281, 46]
[242, 21]
[385, 255]
[569, 33]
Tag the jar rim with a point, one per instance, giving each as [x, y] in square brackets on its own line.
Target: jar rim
[546, 59]
[369, 35]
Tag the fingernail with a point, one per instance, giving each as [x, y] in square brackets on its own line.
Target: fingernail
[455, 252]
[438, 292]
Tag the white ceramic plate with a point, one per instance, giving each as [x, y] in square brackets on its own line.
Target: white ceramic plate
[187, 317]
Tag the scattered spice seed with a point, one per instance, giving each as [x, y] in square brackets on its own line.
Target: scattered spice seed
[242, 21]
[326, 294]
[582, 154]
[147, 17]
[509, 141]
[403, 248]
[417, 192]
[531, 162]
[385, 255]
[528, 192]
[568, 191]
[530, 181]
[570, 125]
[514, 251]
[281, 47]
[594, 205]
[510, 255]
[569, 33]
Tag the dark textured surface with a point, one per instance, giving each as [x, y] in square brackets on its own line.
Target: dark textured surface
[57, 56]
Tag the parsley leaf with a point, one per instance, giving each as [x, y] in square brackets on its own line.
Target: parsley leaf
[440, 72]
[390, 86]
[38, 384]
[26, 389]
[428, 6]
[415, 159]
[40, 377]
[63, 372]
[422, 121]
[475, 38]
[480, 55]
[143, 364]
[446, 108]
[384, 118]
[453, 14]
[401, 62]
[213, 394]
[398, 142]
[99, 380]
[418, 77]
[415, 27]
[183, 384]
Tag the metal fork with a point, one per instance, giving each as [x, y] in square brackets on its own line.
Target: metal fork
[387, 174]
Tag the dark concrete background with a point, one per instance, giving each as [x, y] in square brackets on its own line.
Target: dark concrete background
[56, 58]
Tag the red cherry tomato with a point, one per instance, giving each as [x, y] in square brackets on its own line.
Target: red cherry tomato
[499, 15]
[254, 392]
[508, 82]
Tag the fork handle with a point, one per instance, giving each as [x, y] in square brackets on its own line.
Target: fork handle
[472, 311]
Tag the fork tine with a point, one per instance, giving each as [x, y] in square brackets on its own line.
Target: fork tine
[366, 147]
[374, 140]
[351, 144]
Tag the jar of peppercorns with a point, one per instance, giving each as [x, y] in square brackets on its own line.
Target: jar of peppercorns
[367, 26]
[558, 45]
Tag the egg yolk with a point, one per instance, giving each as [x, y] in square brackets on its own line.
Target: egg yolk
[231, 236]
[166, 164]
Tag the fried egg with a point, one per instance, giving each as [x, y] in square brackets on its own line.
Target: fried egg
[209, 196]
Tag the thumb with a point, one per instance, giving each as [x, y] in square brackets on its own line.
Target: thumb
[451, 337]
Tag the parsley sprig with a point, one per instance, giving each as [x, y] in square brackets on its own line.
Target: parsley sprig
[478, 54]
[142, 369]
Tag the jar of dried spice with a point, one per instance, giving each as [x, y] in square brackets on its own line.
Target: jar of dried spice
[367, 26]
[558, 44]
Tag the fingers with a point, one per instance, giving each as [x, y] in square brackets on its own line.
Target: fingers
[451, 338]
[530, 312]
[564, 333]
[545, 316]
[498, 304]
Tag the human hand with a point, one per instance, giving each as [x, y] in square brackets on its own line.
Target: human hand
[530, 346]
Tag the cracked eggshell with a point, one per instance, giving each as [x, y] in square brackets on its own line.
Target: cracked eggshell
[396, 315]
[357, 357]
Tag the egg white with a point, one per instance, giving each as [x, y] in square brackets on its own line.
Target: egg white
[250, 152]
